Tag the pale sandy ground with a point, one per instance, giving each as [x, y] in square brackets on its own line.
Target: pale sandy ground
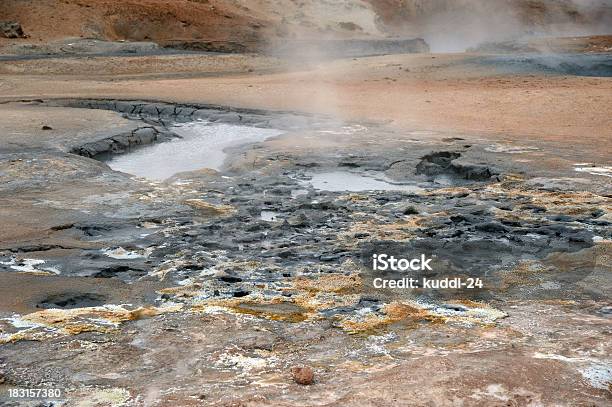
[438, 92]
[22, 125]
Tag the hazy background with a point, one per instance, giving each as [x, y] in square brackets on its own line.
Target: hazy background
[448, 25]
[454, 25]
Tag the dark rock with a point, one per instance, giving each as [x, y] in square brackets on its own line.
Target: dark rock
[442, 163]
[458, 218]
[120, 270]
[322, 205]
[306, 164]
[534, 208]
[491, 227]
[432, 163]
[93, 149]
[45, 127]
[285, 254]
[71, 300]
[512, 223]
[144, 135]
[349, 164]
[122, 142]
[11, 29]
[331, 256]
[151, 109]
[228, 278]
[562, 218]
[473, 172]
[250, 238]
[124, 107]
[581, 237]
[409, 210]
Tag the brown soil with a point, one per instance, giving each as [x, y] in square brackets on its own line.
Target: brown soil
[248, 23]
[41, 288]
[132, 19]
[430, 92]
[251, 23]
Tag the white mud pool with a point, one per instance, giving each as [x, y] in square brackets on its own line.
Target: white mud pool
[201, 145]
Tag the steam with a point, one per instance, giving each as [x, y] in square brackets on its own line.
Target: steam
[308, 32]
[446, 25]
[455, 25]
[458, 28]
[304, 33]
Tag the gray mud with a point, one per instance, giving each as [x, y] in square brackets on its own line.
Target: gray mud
[475, 228]
[246, 269]
[558, 64]
[83, 48]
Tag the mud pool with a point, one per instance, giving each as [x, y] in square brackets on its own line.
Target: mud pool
[338, 181]
[240, 273]
[200, 145]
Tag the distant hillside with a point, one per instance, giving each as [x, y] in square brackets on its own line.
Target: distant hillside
[457, 24]
[446, 24]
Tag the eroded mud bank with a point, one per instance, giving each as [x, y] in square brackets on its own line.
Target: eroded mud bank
[191, 281]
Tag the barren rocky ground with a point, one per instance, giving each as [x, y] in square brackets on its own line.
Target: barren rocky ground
[246, 279]
[181, 292]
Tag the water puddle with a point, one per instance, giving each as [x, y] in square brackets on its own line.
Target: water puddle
[30, 266]
[338, 181]
[268, 216]
[605, 171]
[202, 146]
